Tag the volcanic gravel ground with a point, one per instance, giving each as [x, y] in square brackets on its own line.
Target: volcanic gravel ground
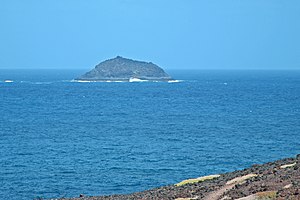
[275, 180]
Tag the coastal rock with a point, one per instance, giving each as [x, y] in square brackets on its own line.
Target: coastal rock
[255, 183]
[123, 69]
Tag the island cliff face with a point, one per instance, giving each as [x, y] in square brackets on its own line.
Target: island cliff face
[123, 69]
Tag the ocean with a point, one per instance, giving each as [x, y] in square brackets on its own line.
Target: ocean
[60, 138]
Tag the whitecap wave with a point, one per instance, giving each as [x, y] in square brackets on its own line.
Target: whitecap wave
[8, 81]
[132, 80]
[175, 81]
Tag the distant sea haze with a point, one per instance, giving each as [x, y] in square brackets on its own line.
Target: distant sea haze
[61, 138]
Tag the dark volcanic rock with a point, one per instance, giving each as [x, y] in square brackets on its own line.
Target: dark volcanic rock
[279, 180]
[123, 69]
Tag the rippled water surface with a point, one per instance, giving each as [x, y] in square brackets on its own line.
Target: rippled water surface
[60, 138]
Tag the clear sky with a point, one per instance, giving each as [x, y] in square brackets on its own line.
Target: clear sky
[175, 34]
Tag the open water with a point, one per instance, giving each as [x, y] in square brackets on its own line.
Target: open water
[60, 138]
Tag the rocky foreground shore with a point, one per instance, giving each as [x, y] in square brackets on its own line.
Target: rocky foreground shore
[275, 180]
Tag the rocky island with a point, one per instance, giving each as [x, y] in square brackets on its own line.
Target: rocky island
[123, 69]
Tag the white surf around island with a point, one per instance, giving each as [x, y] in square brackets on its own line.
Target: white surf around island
[175, 81]
[131, 80]
[82, 81]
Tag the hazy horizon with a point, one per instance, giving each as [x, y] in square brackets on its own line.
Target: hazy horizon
[176, 35]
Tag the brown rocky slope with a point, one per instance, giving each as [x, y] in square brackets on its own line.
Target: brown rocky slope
[275, 180]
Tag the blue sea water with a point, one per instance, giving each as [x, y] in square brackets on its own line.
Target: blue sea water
[60, 138]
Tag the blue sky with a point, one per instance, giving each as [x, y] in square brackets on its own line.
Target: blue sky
[175, 34]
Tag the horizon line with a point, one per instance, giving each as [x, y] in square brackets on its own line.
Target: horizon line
[166, 69]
